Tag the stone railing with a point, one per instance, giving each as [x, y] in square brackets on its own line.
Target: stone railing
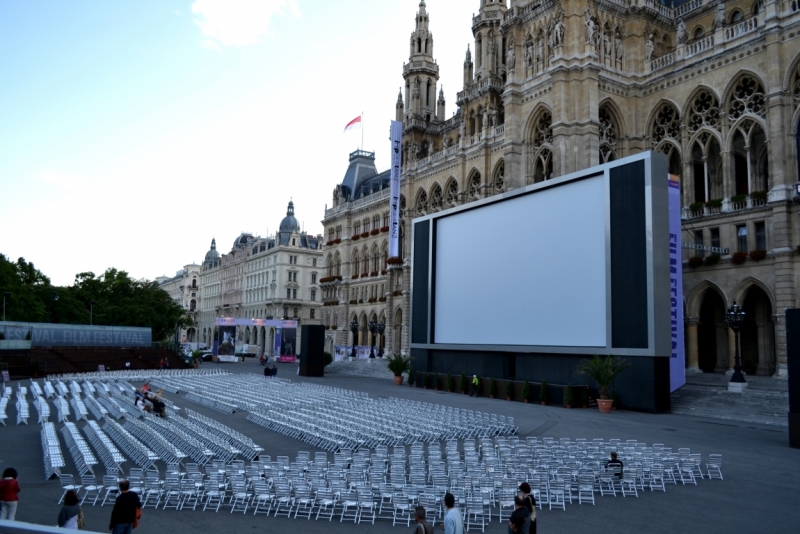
[420, 64]
[658, 7]
[500, 130]
[449, 151]
[473, 90]
[356, 203]
[664, 61]
[700, 45]
[741, 28]
[686, 8]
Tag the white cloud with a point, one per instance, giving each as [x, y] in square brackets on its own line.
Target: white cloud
[64, 180]
[239, 22]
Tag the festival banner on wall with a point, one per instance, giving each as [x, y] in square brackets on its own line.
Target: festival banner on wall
[677, 362]
[396, 136]
[225, 345]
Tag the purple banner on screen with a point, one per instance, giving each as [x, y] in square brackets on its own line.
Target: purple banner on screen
[677, 362]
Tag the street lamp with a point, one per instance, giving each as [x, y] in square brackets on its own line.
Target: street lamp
[6, 295]
[373, 328]
[354, 330]
[381, 328]
[735, 318]
[91, 311]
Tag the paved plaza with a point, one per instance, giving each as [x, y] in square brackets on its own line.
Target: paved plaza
[757, 495]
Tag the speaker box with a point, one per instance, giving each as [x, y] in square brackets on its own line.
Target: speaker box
[793, 361]
[312, 358]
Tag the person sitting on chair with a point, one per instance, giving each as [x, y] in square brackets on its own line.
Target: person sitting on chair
[615, 464]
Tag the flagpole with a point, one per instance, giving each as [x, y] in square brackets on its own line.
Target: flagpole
[362, 130]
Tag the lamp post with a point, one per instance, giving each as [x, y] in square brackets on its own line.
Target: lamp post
[354, 329]
[91, 312]
[6, 295]
[373, 328]
[381, 328]
[735, 318]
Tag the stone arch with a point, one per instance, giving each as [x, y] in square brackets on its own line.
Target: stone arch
[675, 156]
[421, 203]
[474, 185]
[792, 80]
[364, 260]
[451, 193]
[338, 261]
[696, 297]
[747, 143]
[744, 95]
[375, 259]
[661, 125]
[539, 145]
[499, 177]
[705, 153]
[611, 131]
[384, 255]
[363, 330]
[436, 197]
[740, 292]
[397, 329]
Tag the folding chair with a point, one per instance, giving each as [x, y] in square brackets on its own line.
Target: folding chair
[714, 466]
[91, 489]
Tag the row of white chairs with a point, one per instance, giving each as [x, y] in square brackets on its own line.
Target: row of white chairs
[137, 375]
[109, 454]
[81, 454]
[221, 447]
[247, 447]
[78, 407]
[130, 445]
[42, 408]
[3, 407]
[62, 408]
[51, 451]
[165, 450]
[22, 410]
[189, 445]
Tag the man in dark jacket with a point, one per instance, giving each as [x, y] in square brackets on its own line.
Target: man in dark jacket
[520, 517]
[124, 513]
[615, 464]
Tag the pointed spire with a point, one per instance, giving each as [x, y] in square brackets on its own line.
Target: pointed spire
[290, 210]
[441, 94]
[469, 55]
[400, 98]
[213, 244]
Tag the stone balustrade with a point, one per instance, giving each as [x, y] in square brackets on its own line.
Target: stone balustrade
[743, 27]
[700, 45]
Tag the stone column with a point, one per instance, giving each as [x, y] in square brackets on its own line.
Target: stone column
[732, 349]
[763, 360]
[693, 347]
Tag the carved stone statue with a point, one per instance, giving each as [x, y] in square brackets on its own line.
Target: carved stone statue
[648, 48]
[681, 35]
[529, 54]
[511, 58]
[486, 118]
[719, 16]
[541, 49]
[618, 48]
[494, 117]
[590, 28]
[558, 32]
[606, 45]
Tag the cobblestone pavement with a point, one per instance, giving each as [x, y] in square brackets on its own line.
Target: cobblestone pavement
[757, 495]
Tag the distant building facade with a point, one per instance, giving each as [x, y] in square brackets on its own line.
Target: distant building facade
[184, 289]
[551, 87]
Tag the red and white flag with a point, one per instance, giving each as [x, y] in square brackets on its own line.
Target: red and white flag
[353, 124]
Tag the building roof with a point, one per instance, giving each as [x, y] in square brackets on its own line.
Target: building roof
[362, 178]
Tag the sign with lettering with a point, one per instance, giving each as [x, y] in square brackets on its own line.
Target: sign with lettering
[396, 136]
[704, 248]
[73, 335]
[6, 378]
[677, 363]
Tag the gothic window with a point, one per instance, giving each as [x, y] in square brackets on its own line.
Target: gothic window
[703, 112]
[451, 195]
[707, 168]
[543, 169]
[436, 198]
[402, 205]
[750, 163]
[338, 265]
[667, 125]
[356, 261]
[747, 97]
[500, 179]
[698, 33]
[608, 136]
[736, 16]
[422, 203]
[796, 85]
[540, 161]
[474, 187]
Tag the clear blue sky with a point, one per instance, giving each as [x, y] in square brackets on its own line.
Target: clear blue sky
[132, 132]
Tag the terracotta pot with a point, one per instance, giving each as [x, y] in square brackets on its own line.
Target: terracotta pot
[544, 403]
[491, 396]
[398, 380]
[508, 398]
[604, 405]
[526, 401]
[613, 408]
[569, 406]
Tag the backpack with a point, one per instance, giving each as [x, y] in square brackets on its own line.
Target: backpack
[532, 503]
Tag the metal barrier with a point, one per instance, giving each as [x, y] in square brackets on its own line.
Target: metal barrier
[18, 527]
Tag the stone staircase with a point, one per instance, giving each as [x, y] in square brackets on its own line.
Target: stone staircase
[766, 400]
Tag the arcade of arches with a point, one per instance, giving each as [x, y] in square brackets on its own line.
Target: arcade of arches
[710, 343]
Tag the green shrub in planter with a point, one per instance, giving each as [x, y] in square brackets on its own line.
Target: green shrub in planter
[449, 382]
[423, 380]
[569, 397]
[544, 392]
[526, 391]
[695, 261]
[492, 387]
[410, 376]
[464, 384]
[510, 390]
[328, 358]
[433, 381]
[712, 259]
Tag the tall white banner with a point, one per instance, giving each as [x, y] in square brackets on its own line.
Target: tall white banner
[394, 191]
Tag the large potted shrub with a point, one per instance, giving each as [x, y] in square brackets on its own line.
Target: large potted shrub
[492, 388]
[434, 381]
[398, 364]
[411, 377]
[464, 384]
[569, 397]
[603, 371]
[544, 393]
[423, 379]
[526, 392]
[510, 390]
[449, 384]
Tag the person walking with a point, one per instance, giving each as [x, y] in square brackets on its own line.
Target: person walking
[475, 384]
[126, 509]
[9, 489]
[530, 505]
[71, 515]
[452, 516]
[423, 527]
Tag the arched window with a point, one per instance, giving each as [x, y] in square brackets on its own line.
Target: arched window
[437, 200]
[540, 156]
[666, 125]
[356, 262]
[451, 194]
[608, 135]
[707, 168]
[474, 192]
[365, 261]
[750, 162]
[698, 33]
[736, 16]
[747, 98]
[421, 206]
[703, 112]
[193, 305]
[500, 179]
[338, 262]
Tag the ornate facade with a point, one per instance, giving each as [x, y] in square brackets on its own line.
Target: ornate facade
[184, 289]
[552, 87]
[262, 278]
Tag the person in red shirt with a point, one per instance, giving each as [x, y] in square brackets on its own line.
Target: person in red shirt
[9, 488]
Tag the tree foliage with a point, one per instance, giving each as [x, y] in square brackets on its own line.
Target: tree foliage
[118, 299]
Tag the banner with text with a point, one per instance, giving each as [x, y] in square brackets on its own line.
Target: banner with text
[677, 362]
[396, 136]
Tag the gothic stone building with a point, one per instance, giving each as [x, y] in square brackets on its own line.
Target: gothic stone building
[552, 87]
[262, 278]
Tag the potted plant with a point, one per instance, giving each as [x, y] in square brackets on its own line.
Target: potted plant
[449, 383]
[544, 393]
[398, 364]
[434, 378]
[492, 388]
[464, 384]
[696, 207]
[603, 371]
[411, 377]
[423, 379]
[695, 261]
[569, 397]
[759, 195]
[196, 355]
[526, 392]
[739, 257]
[738, 199]
[510, 390]
[758, 255]
[712, 259]
[714, 203]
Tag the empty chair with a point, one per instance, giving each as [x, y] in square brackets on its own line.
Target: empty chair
[283, 500]
[68, 483]
[304, 502]
[152, 493]
[214, 493]
[475, 513]
[607, 484]
[714, 466]
[586, 489]
[366, 506]
[172, 494]
[110, 489]
[91, 489]
[657, 478]
[190, 494]
[687, 468]
[240, 497]
[326, 504]
[628, 485]
[262, 498]
[349, 504]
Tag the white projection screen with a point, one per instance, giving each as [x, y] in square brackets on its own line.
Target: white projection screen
[527, 271]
